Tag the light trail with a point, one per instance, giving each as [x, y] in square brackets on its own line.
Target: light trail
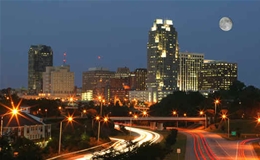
[243, 147]
[121, 145]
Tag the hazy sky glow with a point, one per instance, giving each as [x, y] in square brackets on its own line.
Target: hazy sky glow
[118, 32]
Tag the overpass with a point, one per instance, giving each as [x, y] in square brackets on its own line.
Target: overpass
[159, 118]
[157, 122]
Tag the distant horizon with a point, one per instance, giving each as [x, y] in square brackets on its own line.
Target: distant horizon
[118, 33]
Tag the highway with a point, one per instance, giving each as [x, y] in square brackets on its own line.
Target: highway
[246, 150]
[202, 145]
[120, 144]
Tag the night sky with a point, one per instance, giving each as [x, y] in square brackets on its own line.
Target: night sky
[118, 32]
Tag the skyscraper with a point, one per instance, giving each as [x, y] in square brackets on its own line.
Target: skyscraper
[39, 57]
[190, 66]
[162, 59]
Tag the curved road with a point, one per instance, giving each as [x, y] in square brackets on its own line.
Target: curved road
[202, 145]
[120, 144]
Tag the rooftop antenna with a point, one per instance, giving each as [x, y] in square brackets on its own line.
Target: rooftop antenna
[64, 58]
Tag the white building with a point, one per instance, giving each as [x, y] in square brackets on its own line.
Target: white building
[28, 126]
[58, 81]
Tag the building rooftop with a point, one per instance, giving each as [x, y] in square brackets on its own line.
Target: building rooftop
[21, 120]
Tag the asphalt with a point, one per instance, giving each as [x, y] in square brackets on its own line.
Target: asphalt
[207, 145]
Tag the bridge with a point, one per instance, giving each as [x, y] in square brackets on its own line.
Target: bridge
[157, 122]
[159, 118]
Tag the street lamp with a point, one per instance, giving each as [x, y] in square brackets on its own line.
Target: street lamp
[202, 113]
[131, 122]
[14, 112]
[100, 115]
[145, 113]
[69, 119]
[175, 113]
[216, 102]
[225, 117]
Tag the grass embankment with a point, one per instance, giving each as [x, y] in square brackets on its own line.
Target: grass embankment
[180, 143]
[247, 128]
[256, 146]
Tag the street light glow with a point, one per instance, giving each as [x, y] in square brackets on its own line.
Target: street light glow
[70, 119]
[14, 111]
[224, 116]
[105, 119]
[217, 101]
[201, 113]
[174, 113]
[258, 120]
[97, 118]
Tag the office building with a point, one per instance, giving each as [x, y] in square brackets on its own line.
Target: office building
[122, 72]
[217, 75]
[97, 79]
[39, 57]
[190, 66]
[162, 59]
[139, 81]
[59, 81]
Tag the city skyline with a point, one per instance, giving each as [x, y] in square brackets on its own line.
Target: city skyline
[119, 37]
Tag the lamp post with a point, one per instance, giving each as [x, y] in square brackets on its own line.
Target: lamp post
[175, 113]
[216, 102]
[13, 112]
[131, 123]
[101, 116]
[225, 117]
[69, 119]
[202, 113]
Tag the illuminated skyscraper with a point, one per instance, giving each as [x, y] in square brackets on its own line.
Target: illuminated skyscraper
[190, 66]
[216, 75]
[162, 59]
[39, 57]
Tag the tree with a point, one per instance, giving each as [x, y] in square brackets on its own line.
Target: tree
[6, 151]
[27, 149]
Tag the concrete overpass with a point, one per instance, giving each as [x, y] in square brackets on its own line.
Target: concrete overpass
[157, 122]
[159, 118]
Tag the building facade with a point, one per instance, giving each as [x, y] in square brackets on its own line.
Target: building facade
[217, 75]
[39, 57]
[190, 66]
[97, 79]
[28, 126]
[140, 76]
[58, 81]
[162, 59]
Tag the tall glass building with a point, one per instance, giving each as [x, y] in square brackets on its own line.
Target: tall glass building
[39, 57]
[162, 59]
[190, 66]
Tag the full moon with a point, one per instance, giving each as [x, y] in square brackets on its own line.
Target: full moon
[225, 24]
